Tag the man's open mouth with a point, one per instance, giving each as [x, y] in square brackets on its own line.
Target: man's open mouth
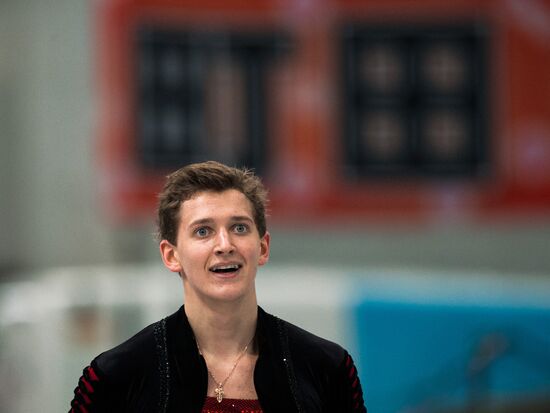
[225, 269]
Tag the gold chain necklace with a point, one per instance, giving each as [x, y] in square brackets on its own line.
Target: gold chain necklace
[219, 385]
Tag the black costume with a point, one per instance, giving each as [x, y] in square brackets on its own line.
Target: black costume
[161, 370]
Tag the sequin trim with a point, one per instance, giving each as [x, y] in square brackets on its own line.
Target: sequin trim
[288, 362]
[163, 364]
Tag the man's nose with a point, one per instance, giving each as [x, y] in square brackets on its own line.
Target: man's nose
[224, 244]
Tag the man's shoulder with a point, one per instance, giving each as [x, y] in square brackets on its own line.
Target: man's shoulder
[305, 344]
[126, 359]
[138, 353]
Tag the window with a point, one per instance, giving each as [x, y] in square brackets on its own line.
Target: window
[201, 96]
[415, 101]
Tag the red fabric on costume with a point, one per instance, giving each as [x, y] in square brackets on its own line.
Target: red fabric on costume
[211, 405]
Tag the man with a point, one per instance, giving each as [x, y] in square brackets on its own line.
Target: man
[220, 352]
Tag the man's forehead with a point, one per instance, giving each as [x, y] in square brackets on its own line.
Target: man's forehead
[230, 201]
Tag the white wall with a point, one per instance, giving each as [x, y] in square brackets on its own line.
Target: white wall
[47, 146]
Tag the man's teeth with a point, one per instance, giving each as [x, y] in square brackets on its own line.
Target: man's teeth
[226, 268]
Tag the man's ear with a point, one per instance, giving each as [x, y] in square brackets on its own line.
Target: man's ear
[264, 249]
[170, 256]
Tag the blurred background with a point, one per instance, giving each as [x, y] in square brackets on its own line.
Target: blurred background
[406, 147]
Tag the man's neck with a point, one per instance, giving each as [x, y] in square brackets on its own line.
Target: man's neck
[223, 329]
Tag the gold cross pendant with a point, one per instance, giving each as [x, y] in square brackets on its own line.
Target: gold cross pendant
[219, 393]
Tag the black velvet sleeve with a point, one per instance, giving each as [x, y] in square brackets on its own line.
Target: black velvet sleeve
[324, 375]
[92, 394]
[123, 379]
[350, 392]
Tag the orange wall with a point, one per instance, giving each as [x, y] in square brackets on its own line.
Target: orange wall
[304, 172]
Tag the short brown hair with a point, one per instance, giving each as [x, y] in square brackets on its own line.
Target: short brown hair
[186, 182]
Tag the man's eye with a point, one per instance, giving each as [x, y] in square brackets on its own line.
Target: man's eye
[241, 228]
[202, 232]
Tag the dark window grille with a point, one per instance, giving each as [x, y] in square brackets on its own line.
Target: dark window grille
[415, 100]
[201, 96]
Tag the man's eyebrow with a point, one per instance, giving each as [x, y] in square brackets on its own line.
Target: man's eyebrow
[201, 221]
[241, 218]
[235, 218]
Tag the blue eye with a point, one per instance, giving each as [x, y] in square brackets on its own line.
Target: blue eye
[241, 228]
[202, 232]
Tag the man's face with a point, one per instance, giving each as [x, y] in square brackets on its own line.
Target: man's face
[218, 247]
